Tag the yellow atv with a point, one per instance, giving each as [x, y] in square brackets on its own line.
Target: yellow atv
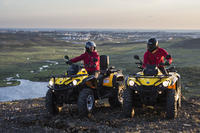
[77, 87]
[151, 88]
[109, 85]
[64, 89]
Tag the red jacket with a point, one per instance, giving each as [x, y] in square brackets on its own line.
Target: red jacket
[155, 58]
[89, 63]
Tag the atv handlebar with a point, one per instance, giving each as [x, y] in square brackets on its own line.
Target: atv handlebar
[66, 76]
[112, 71]
[138, 63]
[164, 64]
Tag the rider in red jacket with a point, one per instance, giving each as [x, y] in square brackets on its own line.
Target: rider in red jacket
[155, 55]
[90, 58]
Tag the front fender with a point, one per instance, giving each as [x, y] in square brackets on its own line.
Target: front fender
[90, 82]
[125, 81]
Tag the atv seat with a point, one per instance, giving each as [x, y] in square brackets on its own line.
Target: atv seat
[104, 63]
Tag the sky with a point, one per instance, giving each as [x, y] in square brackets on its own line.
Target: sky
[101, 14]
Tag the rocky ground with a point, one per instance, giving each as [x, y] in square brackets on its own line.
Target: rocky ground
[30, 116]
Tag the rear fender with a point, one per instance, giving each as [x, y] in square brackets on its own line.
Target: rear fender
[114, 79]
[117, 78]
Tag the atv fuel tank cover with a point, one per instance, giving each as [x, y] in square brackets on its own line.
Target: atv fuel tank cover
[147, 82]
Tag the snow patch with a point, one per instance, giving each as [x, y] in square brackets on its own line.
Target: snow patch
[45, 66]
[17, 75]
[49, 61]
[9, 79]
[9, 83]
[32, 71]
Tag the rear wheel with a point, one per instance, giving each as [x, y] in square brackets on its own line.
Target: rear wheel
[85, 102]
[171, 106]
[50, 103]
[117, 99]
[128, 103]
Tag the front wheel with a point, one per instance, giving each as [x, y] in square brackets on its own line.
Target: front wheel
[50, 103]
[128, 103]
[179, 93]
[171, 107]
[86, 102]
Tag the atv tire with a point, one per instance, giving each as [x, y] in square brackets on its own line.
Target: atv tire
[113, 101]
[86, 102]
[128, 110]
[50, 103]
[171, 105]
[179, 93]
[116, 100]
[179, 99]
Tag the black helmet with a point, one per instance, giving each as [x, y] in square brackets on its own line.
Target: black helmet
[152, 44]
[88, 45]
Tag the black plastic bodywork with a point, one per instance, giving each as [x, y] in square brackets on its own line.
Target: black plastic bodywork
[148, 95]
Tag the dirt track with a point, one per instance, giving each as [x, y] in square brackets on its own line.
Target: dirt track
[30, 116]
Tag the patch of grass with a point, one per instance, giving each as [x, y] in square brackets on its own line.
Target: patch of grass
[24, 54]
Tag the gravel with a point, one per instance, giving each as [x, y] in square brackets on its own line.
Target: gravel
[30, 115]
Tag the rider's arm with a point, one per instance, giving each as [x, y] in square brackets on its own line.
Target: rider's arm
[79, 58]
[165, 54]
[145, 60]
[98, 62]
[96, 55]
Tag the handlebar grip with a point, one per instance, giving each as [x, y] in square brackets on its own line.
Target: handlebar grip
[138, 63]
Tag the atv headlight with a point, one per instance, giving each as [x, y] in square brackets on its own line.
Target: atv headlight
[131, 82]
[165, 83]
[51, 83]
[74, 82]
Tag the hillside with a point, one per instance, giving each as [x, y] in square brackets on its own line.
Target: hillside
[188, 44]
[24, 53]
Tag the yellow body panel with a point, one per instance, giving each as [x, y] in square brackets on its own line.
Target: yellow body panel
[67, 80]
[108, 81]
[83, 71]
[152, 80]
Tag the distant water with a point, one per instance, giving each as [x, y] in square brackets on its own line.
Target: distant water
[27, 89]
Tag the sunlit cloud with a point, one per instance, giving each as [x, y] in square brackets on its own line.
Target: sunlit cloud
[100, 13]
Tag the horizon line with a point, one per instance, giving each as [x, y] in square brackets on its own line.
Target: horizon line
[101, 29]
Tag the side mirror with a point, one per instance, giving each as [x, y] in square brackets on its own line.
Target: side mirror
[112, 67]
[136, 57]
[168, 56]
[66, 57]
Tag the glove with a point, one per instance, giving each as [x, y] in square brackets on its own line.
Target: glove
[68, 62]
[161, 64]
[167, 63]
